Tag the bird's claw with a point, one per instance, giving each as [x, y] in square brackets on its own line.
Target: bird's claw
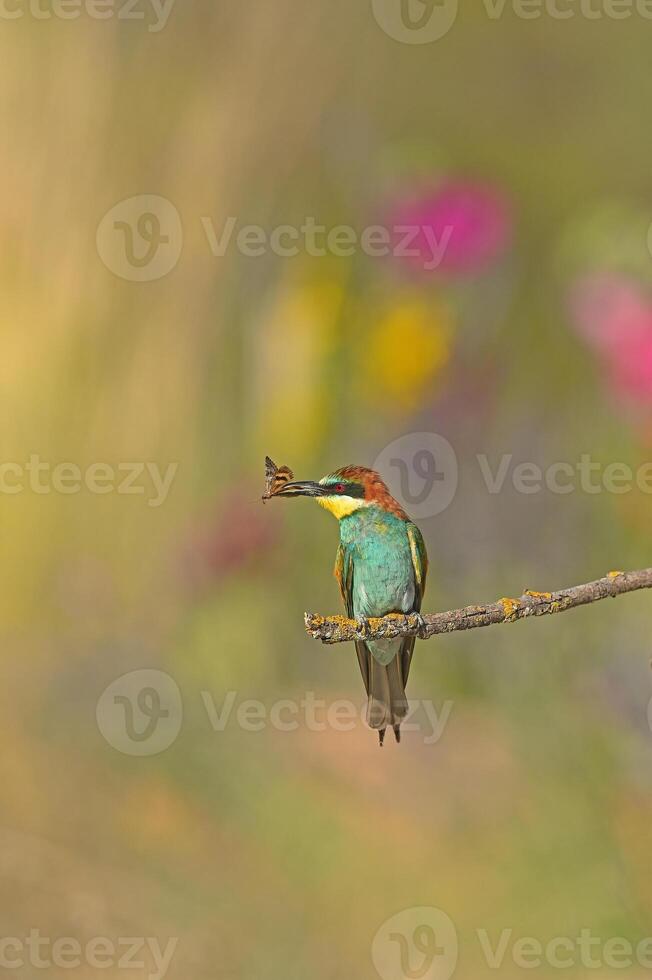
[421, 623]
[361, 625]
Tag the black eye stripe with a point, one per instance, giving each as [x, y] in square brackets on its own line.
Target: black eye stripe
[349, 489]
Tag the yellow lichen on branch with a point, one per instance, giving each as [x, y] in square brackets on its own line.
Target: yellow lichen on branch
[337, 629]
[510, 608]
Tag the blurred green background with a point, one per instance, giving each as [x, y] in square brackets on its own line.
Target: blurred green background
[280, 854]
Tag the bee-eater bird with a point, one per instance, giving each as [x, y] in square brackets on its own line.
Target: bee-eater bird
[381, 568]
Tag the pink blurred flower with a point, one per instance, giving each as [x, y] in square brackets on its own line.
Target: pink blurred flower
[632, 371]
[237, 536]
[463, 227]
[614, 316]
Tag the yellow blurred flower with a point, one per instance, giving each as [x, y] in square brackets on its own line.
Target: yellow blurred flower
[290, 367]
[406, 352]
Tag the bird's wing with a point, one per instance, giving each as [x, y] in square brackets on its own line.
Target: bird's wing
[344, 576]
[419, 563]
[420, 568]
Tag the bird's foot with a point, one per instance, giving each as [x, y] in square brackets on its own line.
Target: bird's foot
[421, 623]
[361, 625]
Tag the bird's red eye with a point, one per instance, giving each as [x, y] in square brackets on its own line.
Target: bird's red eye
[340, 487]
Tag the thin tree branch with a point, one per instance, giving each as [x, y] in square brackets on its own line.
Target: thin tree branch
[337, 629]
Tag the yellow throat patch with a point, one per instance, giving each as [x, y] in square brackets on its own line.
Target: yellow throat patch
[341, 506]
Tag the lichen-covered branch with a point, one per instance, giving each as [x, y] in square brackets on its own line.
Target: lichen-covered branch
[337, 629]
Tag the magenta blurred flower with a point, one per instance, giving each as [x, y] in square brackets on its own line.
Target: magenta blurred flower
[614, 316]
[461, 228]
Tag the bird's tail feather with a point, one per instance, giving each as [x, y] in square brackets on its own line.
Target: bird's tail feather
[387, 703]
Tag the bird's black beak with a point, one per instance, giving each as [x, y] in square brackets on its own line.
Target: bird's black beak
[301, 488]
